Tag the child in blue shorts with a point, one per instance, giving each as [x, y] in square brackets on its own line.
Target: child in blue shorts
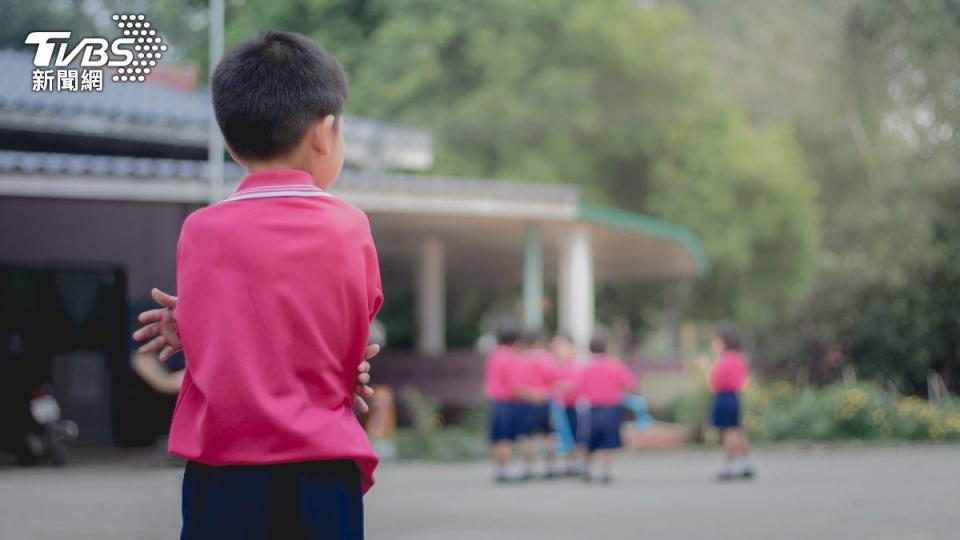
[727, 378]
[509, 415]
[603, 383]
[278, 286]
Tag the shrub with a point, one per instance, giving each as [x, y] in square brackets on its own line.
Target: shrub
[780, 412]
[429, 438]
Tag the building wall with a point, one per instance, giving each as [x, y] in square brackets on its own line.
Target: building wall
[140, 237]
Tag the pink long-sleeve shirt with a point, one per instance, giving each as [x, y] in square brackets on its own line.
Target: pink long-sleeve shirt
[500, 374]
[277, 288]
[604, 381]
[729, 373]
[543, 365]
[567, 374]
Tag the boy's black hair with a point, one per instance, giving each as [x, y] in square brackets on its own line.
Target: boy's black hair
[598, 343]
[268, 90]
[532, 338]
[729, 335]
[509, 332]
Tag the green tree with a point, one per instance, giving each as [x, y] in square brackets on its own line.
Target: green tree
[20, 17]
[617, 99]
[870, 95]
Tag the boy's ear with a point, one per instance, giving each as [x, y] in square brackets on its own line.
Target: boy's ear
[324, 134]
[233, 156]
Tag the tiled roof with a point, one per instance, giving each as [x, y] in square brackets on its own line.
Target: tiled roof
[48, 164]
[148, 105]
[144, 102]
[108, 166]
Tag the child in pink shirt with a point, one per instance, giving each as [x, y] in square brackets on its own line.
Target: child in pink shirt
[277, 288]
[540, 376]
[603, 383]
[727, 377]
[506, 381]
[566, 374]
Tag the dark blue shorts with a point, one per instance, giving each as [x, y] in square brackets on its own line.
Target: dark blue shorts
[509, 420]
[605, 428]
[312, 500]
[523, 417]
[540, 421]
[726, 410]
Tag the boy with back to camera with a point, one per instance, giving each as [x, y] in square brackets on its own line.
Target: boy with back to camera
[543, 365]
[505, 417]
[277, 288]
[603, 383]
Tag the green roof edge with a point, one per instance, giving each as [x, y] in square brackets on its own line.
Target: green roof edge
[643, 224]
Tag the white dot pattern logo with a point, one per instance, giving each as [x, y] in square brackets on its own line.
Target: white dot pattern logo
[148, 46]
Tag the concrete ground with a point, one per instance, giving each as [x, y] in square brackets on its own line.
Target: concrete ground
[847, 493]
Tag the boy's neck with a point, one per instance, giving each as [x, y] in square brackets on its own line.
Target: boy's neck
[282, 164]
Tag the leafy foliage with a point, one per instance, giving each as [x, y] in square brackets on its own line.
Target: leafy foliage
[781, 412]
[616, 99]
[428, 437]
[872, 100]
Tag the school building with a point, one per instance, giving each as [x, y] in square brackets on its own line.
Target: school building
[94, 187]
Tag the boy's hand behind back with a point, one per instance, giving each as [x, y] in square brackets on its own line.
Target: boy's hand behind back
[160, 327]
[363, 391]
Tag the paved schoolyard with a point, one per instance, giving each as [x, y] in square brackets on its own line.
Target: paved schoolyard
[846, 493]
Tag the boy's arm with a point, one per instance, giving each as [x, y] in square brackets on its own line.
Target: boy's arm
[525, 392]
[529, 394]
[160, 324]
[375, 300]
[372, 266]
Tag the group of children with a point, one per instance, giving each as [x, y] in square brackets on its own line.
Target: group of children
[524, 376]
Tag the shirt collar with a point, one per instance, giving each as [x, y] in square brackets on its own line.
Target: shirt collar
[276, 178]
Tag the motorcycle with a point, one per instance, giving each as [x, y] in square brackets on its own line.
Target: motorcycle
[36, 432]
[46, 441]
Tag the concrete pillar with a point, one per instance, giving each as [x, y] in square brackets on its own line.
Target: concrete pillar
[431, 297]
[533, 278]
[576, 287]
[563, 287]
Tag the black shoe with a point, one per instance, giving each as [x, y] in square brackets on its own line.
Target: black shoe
[747, 474]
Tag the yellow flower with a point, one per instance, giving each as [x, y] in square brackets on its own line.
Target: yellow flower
[953, 422]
